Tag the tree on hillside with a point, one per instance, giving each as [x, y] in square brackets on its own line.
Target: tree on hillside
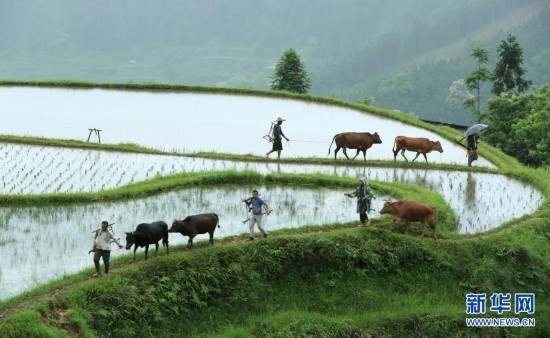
[474, 79]
[519, 124]
[290, 74]
[534, 129]
[502, 113]
[508, 73]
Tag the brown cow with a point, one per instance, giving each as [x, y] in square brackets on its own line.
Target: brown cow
[410, 211]
[419, 144]
[196, 224]
[359, 141]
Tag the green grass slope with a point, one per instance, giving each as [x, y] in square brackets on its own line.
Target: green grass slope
[344, 282]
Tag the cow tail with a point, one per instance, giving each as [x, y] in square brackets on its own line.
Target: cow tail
[331, 143]
[394, 149]
[218, 221]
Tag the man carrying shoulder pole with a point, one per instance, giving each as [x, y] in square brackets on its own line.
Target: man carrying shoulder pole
[277, 138]
[102, 247]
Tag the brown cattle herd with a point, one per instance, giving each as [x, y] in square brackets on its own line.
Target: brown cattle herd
[402, 210]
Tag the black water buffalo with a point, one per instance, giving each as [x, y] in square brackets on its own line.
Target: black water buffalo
[196, 224]
[148, 233]
[359, 141]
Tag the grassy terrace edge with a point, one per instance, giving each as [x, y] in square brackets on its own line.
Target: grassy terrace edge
[138, 149]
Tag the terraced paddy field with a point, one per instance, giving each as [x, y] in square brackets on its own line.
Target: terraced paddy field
[190, 121]
[318, 274]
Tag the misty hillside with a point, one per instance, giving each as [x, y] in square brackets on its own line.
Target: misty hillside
[354, 49]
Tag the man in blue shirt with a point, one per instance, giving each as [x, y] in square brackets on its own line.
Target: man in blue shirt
[256, 218]
[277, 138]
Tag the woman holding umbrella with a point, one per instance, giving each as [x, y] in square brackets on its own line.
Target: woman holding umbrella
[472, 135]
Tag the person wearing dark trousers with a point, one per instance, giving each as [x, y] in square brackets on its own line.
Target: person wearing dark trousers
[277, 138]
[364, 198]
[102, 247]
[471, 147]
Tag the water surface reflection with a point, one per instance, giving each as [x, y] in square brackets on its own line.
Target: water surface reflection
[481, 201]
[194, 122]
[38, 244]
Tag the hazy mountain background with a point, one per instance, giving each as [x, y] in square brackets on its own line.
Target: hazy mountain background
[403, 55]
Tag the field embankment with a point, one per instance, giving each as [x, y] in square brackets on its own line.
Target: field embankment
[345, 282]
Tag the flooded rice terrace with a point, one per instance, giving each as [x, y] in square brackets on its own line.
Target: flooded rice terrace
[191, 122]
[481, 201]
[39, 244]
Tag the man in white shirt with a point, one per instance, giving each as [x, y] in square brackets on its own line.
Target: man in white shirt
[102, 247]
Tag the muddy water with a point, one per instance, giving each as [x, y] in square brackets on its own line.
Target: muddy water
[39, 244]
[200, 122]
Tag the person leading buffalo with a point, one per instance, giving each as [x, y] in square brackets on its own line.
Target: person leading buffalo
[277, 138]
[102, 247]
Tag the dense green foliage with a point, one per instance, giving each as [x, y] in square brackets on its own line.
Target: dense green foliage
[508, 74]
[290, 74]
[520, 124]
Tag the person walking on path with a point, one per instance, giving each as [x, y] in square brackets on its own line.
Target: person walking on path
[471, 147]
[364, 198]
[277, 138]
[102, 247]
[256, 202]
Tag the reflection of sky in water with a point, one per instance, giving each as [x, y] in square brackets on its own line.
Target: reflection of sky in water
[481, 201]
[193, 122]
[43, 243]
